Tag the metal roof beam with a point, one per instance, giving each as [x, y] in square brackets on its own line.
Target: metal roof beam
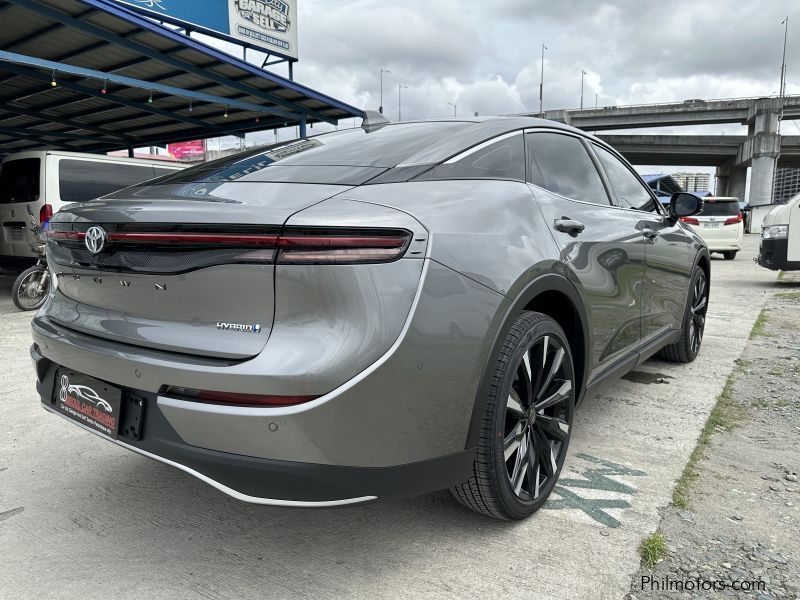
[53, 134]
[101, 33]
[49, 65]
[27, 136]
[37, 114]
[110, 97]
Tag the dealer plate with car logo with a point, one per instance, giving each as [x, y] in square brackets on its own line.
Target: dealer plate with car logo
[88, 400]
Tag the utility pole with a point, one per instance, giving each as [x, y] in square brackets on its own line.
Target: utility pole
[595, 100]
[541, 81]
[583, 74]
[380, 108]
[399, 103]
[455, 109]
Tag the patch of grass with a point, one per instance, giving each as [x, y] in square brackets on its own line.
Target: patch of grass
[760, 324]
[725, 414]
[759, 404]
[781, 275]
[782, 403]
[788, 295]
[653, 549]
[774, 373]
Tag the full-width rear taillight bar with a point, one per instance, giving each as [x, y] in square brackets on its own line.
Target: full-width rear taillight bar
[294, 246]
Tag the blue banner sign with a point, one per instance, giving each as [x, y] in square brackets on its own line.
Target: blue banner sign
[267, 24]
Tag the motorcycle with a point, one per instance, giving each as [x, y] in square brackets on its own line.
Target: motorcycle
[32, 285]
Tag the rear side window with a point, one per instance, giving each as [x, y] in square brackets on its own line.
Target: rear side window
[631, 193]
[81, 180]
[19, 180]
[502, 159]
[720, 208]
[560, 164]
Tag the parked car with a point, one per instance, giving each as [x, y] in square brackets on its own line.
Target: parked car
[721, 225]
[372, 312]
[780, 237]
[46, 181]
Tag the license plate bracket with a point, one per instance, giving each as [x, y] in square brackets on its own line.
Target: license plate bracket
[88, 401]
[17, 233]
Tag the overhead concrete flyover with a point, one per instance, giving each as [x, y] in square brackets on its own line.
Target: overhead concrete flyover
[673, 114]
[696, 150]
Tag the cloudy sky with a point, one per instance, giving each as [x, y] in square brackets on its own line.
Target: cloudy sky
[485, 55]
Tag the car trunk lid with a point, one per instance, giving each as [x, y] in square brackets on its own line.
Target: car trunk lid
[185, 274]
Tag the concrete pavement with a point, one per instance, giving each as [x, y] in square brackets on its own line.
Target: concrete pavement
[82, 518]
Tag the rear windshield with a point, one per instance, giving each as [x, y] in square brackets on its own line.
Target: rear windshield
[720, 208]
[19, 180]
[348, 157]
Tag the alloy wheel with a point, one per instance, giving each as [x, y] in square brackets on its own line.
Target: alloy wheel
[538, 418]
[697, 322]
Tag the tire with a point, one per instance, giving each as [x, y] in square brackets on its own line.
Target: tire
[521, 449]
[730, 254]
[19, 295]
[686, 349]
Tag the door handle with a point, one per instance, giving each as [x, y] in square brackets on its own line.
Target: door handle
[569, 226]
[649, 233]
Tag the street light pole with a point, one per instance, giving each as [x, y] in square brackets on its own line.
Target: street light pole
[583, 74]
[455, 109]
[399, 105]
[380, 108]
[541, 82]
[783, 62]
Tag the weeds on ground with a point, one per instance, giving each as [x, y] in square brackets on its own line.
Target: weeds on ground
[760, 324]
[653, 549]
[724, 415]
[788, 295]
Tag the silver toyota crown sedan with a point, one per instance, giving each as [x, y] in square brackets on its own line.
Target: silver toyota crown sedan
[382, 311]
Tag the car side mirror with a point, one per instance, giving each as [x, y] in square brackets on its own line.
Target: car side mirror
[684, 205]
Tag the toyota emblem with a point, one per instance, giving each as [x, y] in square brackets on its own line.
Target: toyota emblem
[95, 239]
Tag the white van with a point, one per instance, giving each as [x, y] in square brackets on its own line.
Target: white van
[720, 224]
[45, 181]
[780, 237]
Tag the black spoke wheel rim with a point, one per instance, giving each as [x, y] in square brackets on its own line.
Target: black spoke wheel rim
[697, 316]
[538, 418]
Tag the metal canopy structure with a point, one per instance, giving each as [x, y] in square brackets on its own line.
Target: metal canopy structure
[95, 76]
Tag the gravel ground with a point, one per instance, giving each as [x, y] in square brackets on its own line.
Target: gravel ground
[743, 522]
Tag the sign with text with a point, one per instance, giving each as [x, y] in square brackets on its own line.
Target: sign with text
[270, 25]
[183, 150]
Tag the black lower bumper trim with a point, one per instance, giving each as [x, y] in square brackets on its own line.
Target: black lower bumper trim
[772, 255]
[261, 478]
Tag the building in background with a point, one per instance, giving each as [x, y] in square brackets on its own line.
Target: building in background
[663, 185]
[787, 184]
[692, 182]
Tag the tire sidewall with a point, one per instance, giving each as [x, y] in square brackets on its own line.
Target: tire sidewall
[516, 507]
[18, 283]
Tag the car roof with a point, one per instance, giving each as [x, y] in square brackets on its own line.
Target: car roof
[485, 128]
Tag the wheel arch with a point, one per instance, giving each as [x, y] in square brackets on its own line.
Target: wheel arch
[555, 296]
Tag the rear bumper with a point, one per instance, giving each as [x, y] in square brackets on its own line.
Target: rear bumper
[266, 481]
[724, 247]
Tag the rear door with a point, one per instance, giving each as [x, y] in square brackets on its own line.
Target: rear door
[20, 190]
[667, 249]
[606, 259]
[720, 223]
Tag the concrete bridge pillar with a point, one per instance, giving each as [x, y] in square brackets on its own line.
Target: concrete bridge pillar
[731, 180]
[762, 148]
